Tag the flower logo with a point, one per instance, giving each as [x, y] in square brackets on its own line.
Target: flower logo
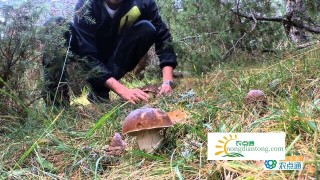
[270, 164]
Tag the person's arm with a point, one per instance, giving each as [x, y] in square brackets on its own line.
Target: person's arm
[167, 78]
[164, 49]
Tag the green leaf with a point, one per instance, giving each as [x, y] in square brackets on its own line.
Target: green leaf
[313, 125]
[45, 164]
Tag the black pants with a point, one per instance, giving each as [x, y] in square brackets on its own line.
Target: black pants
[131, 47]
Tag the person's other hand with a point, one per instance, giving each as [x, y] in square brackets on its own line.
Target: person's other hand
[134, 96]
[165, 89]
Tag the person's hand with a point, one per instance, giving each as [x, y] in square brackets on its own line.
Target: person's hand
[164, 89]
[134, 96]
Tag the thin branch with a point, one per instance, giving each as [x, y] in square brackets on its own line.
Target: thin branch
[207, 34]
[240, 39]
[297, 24]
[3, 52]
[233, 46]
[260, 18]
[255, 22]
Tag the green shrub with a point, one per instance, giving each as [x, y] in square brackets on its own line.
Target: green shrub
[19, 57]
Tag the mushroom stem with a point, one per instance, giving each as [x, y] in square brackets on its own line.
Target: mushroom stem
[149, 140]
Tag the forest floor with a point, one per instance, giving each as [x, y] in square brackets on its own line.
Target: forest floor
[69, 144]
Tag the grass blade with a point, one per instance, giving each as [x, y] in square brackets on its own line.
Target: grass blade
[103, 119]
[26, 153]
[17, 100]
[177, 171]
[291, 145]
[96, 168]
[148, 156]
[13, 97]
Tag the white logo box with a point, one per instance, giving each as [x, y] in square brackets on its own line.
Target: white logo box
[246, 146]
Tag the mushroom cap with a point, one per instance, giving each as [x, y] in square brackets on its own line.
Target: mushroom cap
[150, 89]
[255, 96]
[143, 119]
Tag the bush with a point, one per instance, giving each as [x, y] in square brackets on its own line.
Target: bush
[206, 33]
[19, 57]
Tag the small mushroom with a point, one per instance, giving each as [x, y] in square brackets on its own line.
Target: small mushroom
[146, 124]
[257, 101]
[116, 146]
[254, 96]
[152, 90]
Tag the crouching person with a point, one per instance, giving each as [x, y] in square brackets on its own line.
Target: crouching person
[122, 33]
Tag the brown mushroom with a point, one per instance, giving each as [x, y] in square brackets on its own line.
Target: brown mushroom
[254, 96]
[256, 101]
[146, 124]
[152, 90]
[116, 146]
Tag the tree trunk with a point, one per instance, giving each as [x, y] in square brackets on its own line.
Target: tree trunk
[295, 10]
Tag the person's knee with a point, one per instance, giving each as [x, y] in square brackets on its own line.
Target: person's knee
[146, 27]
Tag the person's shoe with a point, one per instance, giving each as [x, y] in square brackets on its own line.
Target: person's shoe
[98, 98]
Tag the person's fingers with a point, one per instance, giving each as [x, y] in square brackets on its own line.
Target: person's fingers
[164, 90]
[132, 101]
[146, 95]
[161, 93]
[141, 95]
[135, 96]
[128, 97]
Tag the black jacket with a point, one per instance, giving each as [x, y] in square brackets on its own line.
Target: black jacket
[97, 40]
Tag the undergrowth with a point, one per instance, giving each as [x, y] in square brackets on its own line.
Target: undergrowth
[68, 144]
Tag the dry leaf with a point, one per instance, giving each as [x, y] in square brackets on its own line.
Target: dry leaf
[178, 116]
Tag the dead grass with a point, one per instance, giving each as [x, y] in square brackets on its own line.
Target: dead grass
[213, 102]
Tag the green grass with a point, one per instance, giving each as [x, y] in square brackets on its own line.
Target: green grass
[67, 145]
